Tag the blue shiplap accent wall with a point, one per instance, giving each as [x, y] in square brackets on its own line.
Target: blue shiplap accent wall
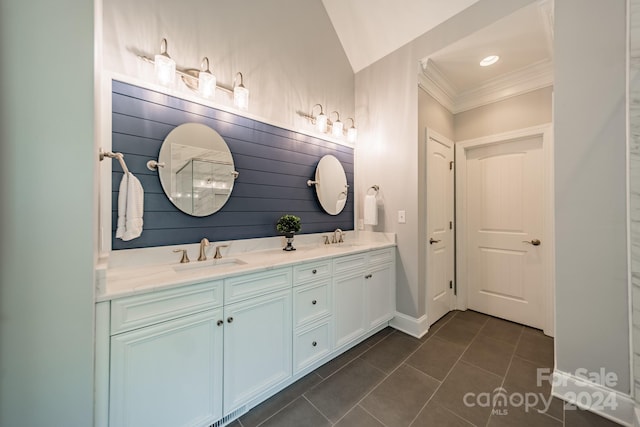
[274, 166]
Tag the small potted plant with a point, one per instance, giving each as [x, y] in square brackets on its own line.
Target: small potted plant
[288, 225]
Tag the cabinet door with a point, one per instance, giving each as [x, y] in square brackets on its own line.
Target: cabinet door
[257, 347]
[169, 374]
[381, 294]
[349, 307]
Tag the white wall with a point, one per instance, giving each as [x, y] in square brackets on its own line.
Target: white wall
[592, 329]
[287, 50]
[518, 112]
[387, 153]
[634, 180]
[47, 230]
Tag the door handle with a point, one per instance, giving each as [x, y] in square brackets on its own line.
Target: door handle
[432, 241]
[534, 242]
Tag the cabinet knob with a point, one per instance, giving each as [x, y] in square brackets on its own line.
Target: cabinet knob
[314, 302]
[368, 276]
[314, 343]
[314, 271]
[219, 322]
[229, 319]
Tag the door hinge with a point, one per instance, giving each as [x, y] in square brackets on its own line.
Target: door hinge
[451, 165]
[450, 284]
[450, 225]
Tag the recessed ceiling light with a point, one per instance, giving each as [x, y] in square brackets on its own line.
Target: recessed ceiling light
[489, 60]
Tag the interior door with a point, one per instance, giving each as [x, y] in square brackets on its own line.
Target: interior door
[440, 241]
[504, 199]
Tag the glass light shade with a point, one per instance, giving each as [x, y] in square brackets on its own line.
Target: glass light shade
[206, 83]
[321, 123]
[165, 69]
[352, 134]
[336, 129]
[241, 97]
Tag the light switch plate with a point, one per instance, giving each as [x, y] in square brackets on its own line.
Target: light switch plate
[402, 217]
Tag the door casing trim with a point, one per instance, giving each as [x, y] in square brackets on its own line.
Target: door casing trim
[548, 232]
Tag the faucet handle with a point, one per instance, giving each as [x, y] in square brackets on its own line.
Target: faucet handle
[326, 240]
[341, 240]
[185, 258]
[218, 255]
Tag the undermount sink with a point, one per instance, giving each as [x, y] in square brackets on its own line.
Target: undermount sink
[215, 263]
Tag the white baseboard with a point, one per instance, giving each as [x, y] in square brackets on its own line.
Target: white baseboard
[410, 325]
[595, 398]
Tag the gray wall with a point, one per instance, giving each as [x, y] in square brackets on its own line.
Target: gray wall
[634, 180]
[519, 112]
[47, 160]
[592, 329]
[387, 111]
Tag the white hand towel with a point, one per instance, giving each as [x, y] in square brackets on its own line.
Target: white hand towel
[370, 210]
[130, 208]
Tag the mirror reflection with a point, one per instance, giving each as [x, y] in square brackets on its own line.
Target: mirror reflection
[331, 185]
[199, 173]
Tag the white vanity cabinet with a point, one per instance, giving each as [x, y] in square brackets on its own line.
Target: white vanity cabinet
[204, 353]
[380, 289]
[257, 335]
[364, 293]
[166, 369]
[312, 313]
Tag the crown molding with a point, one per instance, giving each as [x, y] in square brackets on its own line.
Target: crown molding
[436, 85]
[536, 76]
[533, 77]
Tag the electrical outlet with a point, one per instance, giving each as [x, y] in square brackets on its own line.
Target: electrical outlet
[402, 217]
[360, 224]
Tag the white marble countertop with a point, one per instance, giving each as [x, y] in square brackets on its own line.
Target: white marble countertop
[139, 271]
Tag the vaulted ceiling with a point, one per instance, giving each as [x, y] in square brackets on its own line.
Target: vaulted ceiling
[371, 29]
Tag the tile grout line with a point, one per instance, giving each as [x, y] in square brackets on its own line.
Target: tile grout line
[513, 355]
[316, 408]
[448, 373]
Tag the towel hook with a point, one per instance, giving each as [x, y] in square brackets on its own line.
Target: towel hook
[374, 188]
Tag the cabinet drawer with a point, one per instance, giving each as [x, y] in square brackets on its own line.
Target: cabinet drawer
[382, 256]
[312, 302]
[143, 310]
[311, 271]
[350, 263]
[311, 345]
[256, 284]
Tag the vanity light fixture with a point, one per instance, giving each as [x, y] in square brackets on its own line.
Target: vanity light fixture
[201, 80]
[489, 60]
[352, 132]
[323, 124]
[206, 79]
[240, 93]
[337, 126]
[165, 66]
[321, 120]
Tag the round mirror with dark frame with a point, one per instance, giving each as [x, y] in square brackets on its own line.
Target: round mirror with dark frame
[331, 184]
[198, 172]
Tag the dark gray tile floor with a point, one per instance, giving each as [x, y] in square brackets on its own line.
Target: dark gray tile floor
[449, 377]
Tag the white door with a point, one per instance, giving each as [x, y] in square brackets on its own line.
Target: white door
[440, 242]
[504, 222]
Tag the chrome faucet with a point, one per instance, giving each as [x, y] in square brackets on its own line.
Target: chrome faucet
[218, 255]
[203, 244]
[339, 239]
